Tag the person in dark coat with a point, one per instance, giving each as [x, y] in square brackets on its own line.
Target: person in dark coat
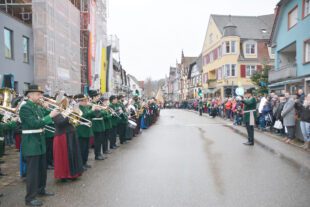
[304, 111]
[249, 116]
[33, 144]
[67, 155]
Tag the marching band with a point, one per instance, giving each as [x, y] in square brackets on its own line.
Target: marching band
[56, 133]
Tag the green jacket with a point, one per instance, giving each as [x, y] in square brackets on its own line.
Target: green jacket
[249, 104]
[32, 117]
[48, 134]
[108, 121]
[98, 124]
[82, 130]
[115, 120]
[124, 117]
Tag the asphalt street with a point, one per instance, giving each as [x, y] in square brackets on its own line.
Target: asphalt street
[184, 160]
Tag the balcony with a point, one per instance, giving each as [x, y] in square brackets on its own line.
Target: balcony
[282, 73]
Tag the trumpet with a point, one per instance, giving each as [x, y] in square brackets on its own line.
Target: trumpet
[107, 108]
[74, 114]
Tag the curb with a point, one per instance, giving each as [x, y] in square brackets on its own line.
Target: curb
[235, 128]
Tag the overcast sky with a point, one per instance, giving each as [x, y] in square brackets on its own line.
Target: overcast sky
[153, 33]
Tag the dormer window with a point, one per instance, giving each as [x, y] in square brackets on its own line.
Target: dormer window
[250, 48]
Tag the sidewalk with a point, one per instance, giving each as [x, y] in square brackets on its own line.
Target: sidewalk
[292, 153]
[10, 167]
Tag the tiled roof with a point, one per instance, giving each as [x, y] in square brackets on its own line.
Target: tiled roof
[248, 27]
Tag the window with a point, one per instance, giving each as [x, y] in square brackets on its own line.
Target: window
[307, 51]
[8, 43]
[211, 57]
[227, 70]
[227, 47]
[26, 49]
[233, 70]
[250, 70]
[292, 17]
[233, 46]
[250, 48]
[273, 50]
[306, 9]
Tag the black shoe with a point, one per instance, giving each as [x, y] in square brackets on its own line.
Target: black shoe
[34, 202]
[87, 166]
[249, 143]
[84, 168]
[1, 194]
[107, 152]
[46, 194]
[99, 158]
[50, 167]
[2, 161]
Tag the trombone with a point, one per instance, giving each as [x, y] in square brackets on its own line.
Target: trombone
[106, 108]
[74, 114]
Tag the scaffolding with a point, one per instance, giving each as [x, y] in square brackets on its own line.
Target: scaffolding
[56, 26]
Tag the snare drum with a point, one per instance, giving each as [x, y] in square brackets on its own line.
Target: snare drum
[132, 124]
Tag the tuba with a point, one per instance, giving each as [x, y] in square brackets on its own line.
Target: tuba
[6, 97]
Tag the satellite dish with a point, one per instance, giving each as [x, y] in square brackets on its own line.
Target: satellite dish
[240, 91]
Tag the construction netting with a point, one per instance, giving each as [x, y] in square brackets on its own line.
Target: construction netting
[56, 32]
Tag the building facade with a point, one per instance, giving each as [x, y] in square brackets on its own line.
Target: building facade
[195, 78]
[16, 53]
[291, 41]
[235, 47]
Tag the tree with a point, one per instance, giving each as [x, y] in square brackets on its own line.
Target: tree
[260, 79]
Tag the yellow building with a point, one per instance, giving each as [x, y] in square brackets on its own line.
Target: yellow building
[235, 47]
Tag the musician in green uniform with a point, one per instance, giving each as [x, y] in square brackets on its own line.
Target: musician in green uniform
[249, 116]
[33, 144]
[98, 126]
[137, 106]
[108, 125]
[115, 121]
[4, 126]
[123, 119]
[84, 132]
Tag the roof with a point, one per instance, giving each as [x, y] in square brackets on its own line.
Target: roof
[248, 27]
[188, 60]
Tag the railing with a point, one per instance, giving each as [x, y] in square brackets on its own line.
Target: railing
[283, 72]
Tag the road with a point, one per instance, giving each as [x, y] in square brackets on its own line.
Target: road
[184, 160]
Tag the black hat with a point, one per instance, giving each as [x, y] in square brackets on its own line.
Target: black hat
[250, 91]
[33, 88]
[120, 96]
[93, 93]
[80, 97]
[135, 98]
[112, 98]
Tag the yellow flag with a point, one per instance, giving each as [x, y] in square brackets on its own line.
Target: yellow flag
[103, 79]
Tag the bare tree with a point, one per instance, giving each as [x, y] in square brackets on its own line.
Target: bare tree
[148, 87]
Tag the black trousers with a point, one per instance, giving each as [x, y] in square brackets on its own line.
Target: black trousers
[250, 131]
[84, 146]
[49, 151]
[121, 130]
[98, 142]
[36, 176]
[112, 137]
[106, 140]
[200, 112]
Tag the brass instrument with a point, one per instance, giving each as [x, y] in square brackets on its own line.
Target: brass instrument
[9, 113]
[74, 114]
[108, 109]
